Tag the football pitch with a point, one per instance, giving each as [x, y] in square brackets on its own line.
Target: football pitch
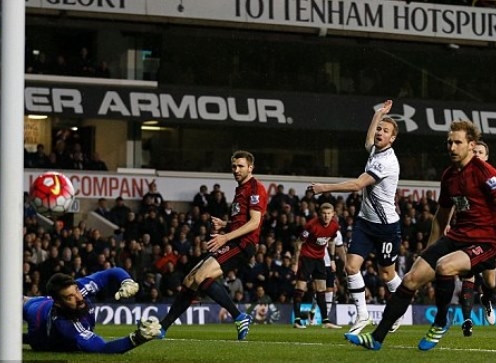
[283, 343]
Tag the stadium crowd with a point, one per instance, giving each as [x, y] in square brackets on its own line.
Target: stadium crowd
[158, 245]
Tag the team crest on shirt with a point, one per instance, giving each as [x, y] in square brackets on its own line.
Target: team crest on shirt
[491, 183]
[254, 199]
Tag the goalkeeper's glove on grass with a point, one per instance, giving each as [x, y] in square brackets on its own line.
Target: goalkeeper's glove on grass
[148, 329]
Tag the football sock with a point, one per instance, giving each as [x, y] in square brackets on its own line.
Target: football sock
[321, 302]
[395, 308]
[219, 294]
[329, 296]
[179, 306]
[297, 297]
[467, 299]
[445, 286]
[356, 288]
[393, 284]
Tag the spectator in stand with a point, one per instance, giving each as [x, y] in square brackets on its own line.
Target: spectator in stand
[102, 209]
[132, 227]
[167, 212]
[355, 199]
[85, 66]
[90, 257]
[130, 268]
[233, 283]
[285, 276]
[215, 189]
[278, 199]
[27, 269]
[304, 210]
[40, 65]
[154, 226]
[169, 255]
[202, 199]
[309, 197]
[182, 244]
[79, 161]
[146, 285]
[404, 261]
[293, 200]
[119, 212]
[171, 281]
[103, 70]
[96, 163]
[424, 222]
[61, 68]
[217, 207]
[371, 276]
[39, 159]
[77, 268]
[326, 197]
[145, 257]
[61, 155]
[51, 265]
[155, 296]
[249, 272]
[152, 199]
[408, 229]
[284, 231]
[38, 252]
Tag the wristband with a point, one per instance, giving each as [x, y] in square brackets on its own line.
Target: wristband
[333, 258]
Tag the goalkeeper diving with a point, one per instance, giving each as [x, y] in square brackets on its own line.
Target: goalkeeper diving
[65, 319]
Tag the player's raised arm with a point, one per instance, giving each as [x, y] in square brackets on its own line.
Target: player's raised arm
[378, 115]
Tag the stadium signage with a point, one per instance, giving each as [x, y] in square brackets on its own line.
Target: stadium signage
[255, 108]
[204, 107]
[182, 186]
[163, 105]
[99, 4]
[371, 16]
[87, 185]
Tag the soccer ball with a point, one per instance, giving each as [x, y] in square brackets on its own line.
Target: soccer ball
[52, 193]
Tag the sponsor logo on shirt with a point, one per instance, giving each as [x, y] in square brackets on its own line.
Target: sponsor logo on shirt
[235, 209]
[461, 203]
[377, 166]
[322, 241]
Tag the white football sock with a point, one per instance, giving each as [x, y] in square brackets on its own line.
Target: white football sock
[356, 282]
[394, 283]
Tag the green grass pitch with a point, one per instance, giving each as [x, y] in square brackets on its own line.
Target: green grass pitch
[283, 343]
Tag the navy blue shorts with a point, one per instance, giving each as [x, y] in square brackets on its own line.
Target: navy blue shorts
[383, 240]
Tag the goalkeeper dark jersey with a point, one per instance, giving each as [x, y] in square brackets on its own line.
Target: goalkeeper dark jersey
[50, 330]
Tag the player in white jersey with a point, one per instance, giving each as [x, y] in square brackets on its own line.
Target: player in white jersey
[377, 228]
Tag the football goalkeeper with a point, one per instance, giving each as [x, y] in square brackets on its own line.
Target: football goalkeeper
[65, 319]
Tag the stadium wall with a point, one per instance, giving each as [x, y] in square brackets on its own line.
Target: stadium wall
[208, 313]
